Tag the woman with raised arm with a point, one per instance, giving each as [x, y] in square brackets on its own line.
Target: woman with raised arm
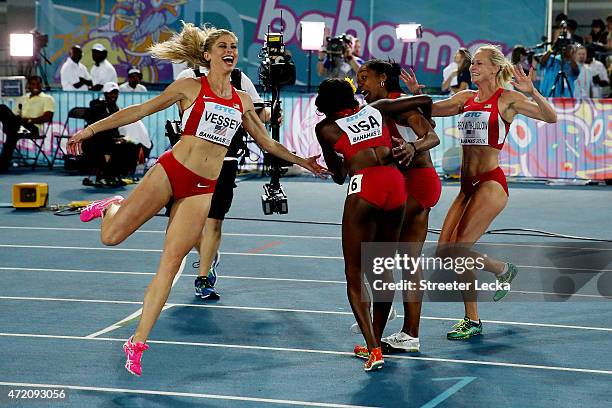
[486, 115]
[213, 110]
[357, 142]
[414, 135]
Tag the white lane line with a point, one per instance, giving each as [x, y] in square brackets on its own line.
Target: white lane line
[272, 309]
[231, 234]
[502, 244]
[327, 352]
[178, 394]
[254, 254]
[340, 282]
[137, 313]
[159, 250]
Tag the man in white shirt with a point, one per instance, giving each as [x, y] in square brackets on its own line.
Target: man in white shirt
[584, 81]
[102, 71]
[74, 75]
[133, 84]
[600, 87]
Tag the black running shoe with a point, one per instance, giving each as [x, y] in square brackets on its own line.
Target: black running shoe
[204, 289]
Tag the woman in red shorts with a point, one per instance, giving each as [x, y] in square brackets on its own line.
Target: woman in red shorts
[357, 142]
[485, 119]
[379, 79]
[213, 111]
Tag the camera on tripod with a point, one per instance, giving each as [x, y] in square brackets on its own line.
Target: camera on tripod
[564, 40]
[336, 46]
[276, 67]
[276, 70]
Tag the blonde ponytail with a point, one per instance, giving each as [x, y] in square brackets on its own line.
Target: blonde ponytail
[189, 45]
[497, 58]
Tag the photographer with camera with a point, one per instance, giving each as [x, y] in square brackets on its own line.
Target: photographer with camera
[337, 59]
[560, 68]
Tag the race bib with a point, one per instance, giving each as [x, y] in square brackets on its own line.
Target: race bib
[219, 123]
[364, 125]
[355, 184]
[473, 126]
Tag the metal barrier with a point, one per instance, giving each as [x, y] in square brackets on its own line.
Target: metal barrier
[578, 146]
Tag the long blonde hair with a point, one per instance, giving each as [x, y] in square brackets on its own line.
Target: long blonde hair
[497, 58]
[188, 45]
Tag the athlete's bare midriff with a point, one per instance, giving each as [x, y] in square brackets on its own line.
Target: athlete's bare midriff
[478, 160]
[200, 156]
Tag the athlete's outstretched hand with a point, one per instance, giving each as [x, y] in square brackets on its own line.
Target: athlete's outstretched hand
[410, 80]
[312, 165]
[74, 144]
[521, 81]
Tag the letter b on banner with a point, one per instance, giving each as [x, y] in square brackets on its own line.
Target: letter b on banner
[270, 15]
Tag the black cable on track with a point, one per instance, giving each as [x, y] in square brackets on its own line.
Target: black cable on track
[527, 232]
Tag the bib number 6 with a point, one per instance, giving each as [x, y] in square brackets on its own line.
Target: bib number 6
[355, 184]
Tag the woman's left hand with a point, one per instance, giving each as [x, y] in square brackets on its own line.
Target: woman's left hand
[521, 81]
[312, 165]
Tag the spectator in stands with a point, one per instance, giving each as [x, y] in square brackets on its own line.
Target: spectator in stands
[97, 150]
[463, 59]
[609, 36]
[31, 112]
[572, 26]
[74, 76]
[131, 149]
[102, 71]
[133, 84]
[584, 81]
[551, 65]
[598, 34]
[557, 27]
[599, 74]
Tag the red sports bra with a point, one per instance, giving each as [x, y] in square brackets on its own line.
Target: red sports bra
[361, 130]
[481, 123]
[211, 117]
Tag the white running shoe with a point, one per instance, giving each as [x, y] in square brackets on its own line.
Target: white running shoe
[402, 341]
[392, 316]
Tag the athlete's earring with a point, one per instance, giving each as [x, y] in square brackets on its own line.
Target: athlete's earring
[382, 84]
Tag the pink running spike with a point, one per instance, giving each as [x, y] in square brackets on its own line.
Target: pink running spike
[96, 208]
[133, 354]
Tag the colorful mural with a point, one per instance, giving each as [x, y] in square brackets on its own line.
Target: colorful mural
[578, 146]
[128, 27]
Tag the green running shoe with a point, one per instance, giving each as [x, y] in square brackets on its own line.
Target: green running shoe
[464, 330]
[507, 278]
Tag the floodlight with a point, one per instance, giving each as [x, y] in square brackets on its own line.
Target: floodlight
[409, 33]
[313, 33]
[21, 45]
